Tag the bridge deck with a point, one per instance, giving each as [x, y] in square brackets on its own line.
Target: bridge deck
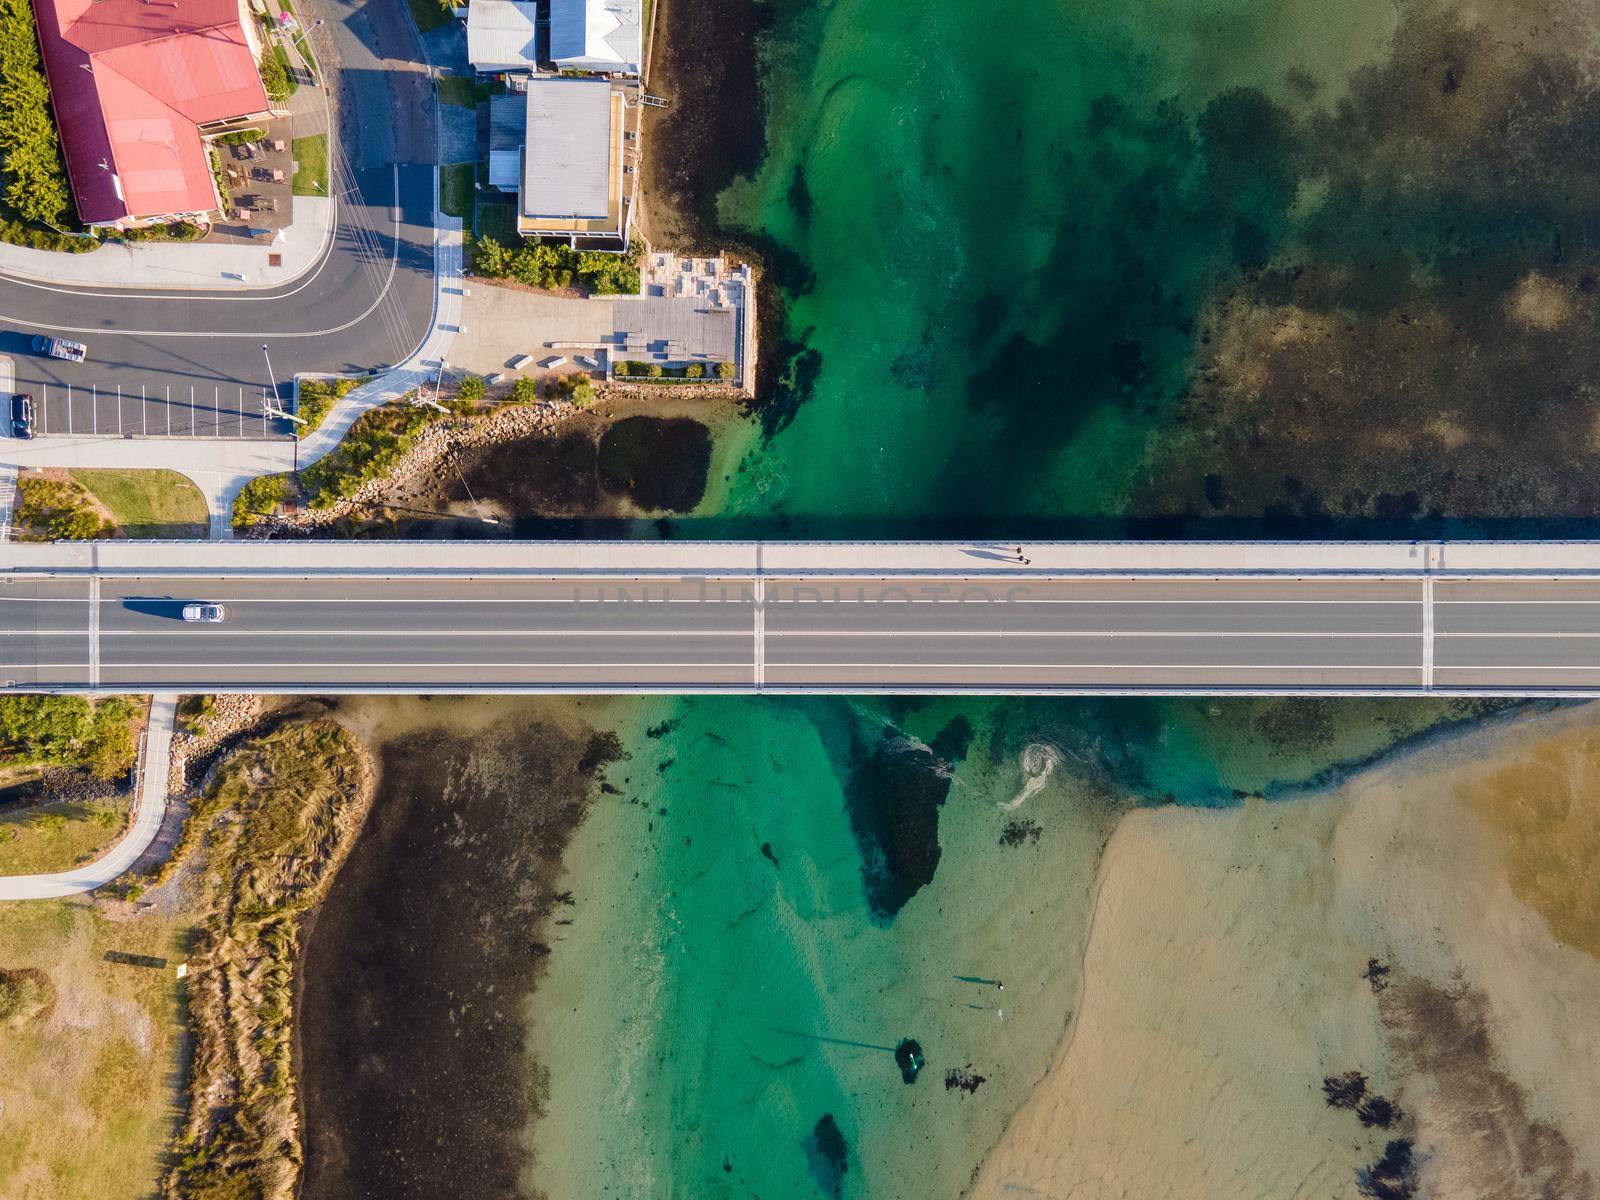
[305, 619]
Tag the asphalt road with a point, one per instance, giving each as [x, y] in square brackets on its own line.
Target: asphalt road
[163, 362]
[684, 634]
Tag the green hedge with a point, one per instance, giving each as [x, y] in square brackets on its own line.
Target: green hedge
[239, 137]
[19, 234]
[35, 178]
[553, 267]
[274, 75]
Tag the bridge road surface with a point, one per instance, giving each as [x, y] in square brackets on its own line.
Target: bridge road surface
[851, 632]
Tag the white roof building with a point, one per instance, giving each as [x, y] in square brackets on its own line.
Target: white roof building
[596, 35]
[500, 35]
[572, 161]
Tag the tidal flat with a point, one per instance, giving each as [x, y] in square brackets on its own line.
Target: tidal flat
[636, 948]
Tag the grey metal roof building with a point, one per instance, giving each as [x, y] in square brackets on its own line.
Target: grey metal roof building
[502, 35]
[508, 129]
[572, 160]
[597, 35]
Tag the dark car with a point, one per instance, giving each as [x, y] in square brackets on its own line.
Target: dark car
[22, 415]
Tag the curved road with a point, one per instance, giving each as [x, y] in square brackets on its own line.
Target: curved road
[191, 362]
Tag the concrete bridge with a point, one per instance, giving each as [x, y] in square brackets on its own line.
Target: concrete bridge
[1330, 618]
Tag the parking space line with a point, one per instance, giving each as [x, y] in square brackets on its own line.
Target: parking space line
[169, 409]
[144, 413]
[94, 406]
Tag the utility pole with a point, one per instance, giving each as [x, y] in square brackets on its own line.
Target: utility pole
[273, 409]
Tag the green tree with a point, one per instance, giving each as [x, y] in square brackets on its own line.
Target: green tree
[471, 387]
[655, 370]
[525, 391]
[724, 370]
[44, 728]
[694, 371]
[582, 393]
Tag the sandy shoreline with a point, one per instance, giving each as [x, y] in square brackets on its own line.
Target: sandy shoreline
[1226, 976]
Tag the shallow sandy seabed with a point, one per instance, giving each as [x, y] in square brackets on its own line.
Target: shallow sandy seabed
[1224, 979]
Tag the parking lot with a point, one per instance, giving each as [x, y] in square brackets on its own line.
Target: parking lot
[139, 411]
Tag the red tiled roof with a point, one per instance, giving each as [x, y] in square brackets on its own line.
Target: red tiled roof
[130, 81]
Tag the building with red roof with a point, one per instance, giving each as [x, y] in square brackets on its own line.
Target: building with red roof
[136, 84]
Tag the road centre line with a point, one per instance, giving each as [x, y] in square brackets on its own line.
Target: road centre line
[407, 633]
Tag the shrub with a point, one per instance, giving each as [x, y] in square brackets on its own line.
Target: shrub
[724, 370]
[35, 179]
[582, 393]
[470, 387]
[693, 371]
[374, 444]
[655, 370]
[50, 824]
[314, 399]
[111, 752]
[525, 391]
[273, 77]
[239, 137]
[18, 234]
[554, 267]
[261, 497]
[48, 510]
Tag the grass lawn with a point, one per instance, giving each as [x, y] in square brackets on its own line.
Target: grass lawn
[498, 221]
[461, 91]
[283, 58]
[311, 165]
[90, 1087]
[57, 837]
[429, 14]
[458, 190]
[148, 504]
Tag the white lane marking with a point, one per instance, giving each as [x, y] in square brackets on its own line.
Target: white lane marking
[1427, 631]
[213, 632]
[1074, 633]
[760, 632]
[1399, 668]
[94, 631]
[276, 665]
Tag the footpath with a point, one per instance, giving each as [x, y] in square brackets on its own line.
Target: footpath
[149, 806]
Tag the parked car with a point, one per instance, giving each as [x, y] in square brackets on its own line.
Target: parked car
[22, 415]
[209, 613]
[60, 348]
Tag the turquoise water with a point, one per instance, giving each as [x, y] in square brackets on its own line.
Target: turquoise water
[1048, 267]
[737, 970]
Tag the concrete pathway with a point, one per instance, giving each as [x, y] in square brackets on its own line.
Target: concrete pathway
[204, 265]
[8, 499]
[149, 806]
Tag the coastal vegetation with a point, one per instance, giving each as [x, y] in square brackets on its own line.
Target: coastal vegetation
[36, 188]
[377, 440]
[69, 731]
[314, 398]
[50, 510]
[275, 825]
[554, 268]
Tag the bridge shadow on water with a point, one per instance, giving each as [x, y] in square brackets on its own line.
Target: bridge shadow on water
[1005, 534]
